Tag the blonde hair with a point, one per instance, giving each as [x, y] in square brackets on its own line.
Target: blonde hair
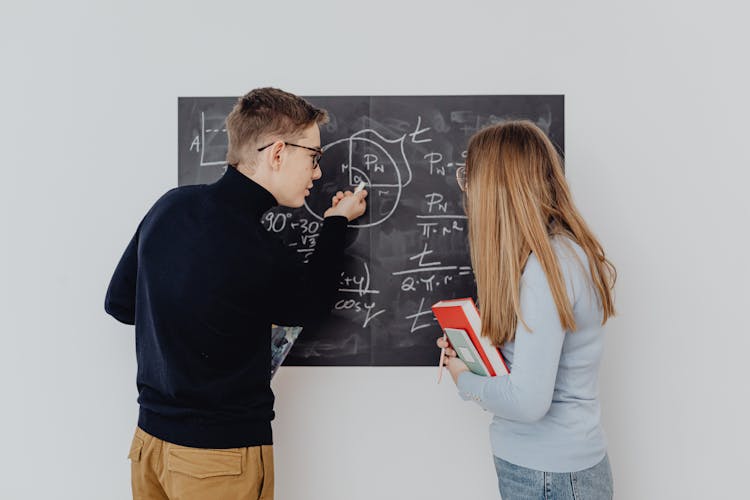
[516, 200]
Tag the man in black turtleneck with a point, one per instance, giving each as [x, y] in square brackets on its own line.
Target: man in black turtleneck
[202, 281]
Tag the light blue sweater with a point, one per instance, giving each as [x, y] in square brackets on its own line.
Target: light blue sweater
[547, 413]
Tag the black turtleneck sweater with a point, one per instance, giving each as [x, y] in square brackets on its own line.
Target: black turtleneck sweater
[202, 280]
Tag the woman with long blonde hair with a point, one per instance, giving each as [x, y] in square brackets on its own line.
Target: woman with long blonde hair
[545, 290]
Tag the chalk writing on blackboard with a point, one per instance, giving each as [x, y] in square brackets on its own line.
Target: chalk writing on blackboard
[410, 249]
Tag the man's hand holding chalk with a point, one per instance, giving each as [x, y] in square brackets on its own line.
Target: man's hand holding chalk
[355, 203]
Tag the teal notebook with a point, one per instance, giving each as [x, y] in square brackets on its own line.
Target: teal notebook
[461, 343]
[282, 340]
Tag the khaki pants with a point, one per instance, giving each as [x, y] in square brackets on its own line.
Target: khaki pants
[166, 471]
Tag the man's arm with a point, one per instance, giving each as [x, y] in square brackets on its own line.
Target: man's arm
[120, 299]
[305, 293]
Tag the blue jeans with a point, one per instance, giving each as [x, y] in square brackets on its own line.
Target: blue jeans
[520, 483]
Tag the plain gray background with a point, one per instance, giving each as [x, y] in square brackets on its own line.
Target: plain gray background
[657, 119]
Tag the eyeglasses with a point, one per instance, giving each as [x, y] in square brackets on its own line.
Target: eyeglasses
[316, 158]
[461, 178]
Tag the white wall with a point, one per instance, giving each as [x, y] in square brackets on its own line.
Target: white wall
[657, 109]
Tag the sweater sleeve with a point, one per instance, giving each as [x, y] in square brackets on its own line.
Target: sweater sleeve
[306, 291]
[119, 301]
[525, 395]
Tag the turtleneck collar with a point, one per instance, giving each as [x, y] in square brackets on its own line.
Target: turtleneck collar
[244, 193]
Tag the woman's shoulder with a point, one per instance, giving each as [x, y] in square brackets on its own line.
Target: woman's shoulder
[567, 249]
[571, 258]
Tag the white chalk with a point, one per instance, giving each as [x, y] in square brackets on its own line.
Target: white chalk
[360, 187]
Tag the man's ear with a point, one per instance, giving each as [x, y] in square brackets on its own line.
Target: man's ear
[278, 154]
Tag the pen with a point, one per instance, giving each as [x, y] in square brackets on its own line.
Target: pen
[442, 358]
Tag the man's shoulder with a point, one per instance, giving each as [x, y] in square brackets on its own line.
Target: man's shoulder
[173, 202]
[181, 194]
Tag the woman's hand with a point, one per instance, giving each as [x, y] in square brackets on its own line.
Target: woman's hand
[452, 362]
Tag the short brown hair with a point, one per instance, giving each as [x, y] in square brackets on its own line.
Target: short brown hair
[264, 112]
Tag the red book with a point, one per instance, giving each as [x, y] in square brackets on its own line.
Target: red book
[462, 314]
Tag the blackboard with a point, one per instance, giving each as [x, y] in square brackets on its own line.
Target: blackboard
[410, 249]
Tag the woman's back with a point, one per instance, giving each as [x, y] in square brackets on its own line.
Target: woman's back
[544, 299]
[547, 410]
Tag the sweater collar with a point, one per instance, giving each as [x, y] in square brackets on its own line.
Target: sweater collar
[244, 193]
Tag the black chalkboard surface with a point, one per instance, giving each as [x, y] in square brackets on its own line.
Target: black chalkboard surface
[410, 249]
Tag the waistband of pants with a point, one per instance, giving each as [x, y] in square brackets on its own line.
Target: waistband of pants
[206, 434]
